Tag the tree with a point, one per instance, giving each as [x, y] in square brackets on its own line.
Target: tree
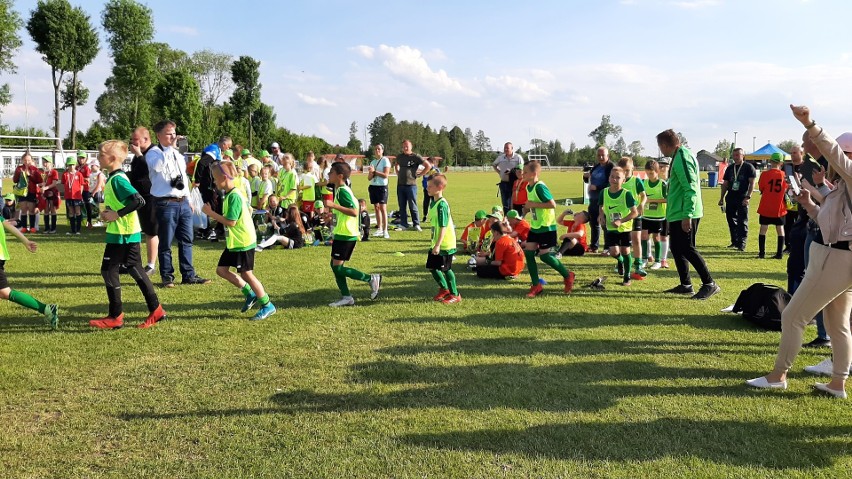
[723, 149]
[178, 98]
[620, 147]
[245, 73]
[461, 147]
[212, 72]
[683, 141]
[54, 37]
[126, 103]
[788, 145]
[468, 134]
[67, 96]
[635, 148]
[604, 131]
[354, 145]
[381, 130]
[10, 42]
[83, 52]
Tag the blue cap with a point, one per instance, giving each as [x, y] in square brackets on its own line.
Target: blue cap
[213, 150]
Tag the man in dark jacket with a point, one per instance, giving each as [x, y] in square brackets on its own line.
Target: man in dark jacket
[204, 179]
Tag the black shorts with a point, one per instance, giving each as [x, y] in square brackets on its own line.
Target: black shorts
[766, 220]
[73, 202]
[87, 195]
[441, 262]
[29, 198]
[489, 271]
[116, 255]
[4, 283]
[342, 250]
[660, 226]
[241, 260]
[637, 224]
[616, 238]
[576, 250]
[544, 240]
[378, 194]
[148, 217]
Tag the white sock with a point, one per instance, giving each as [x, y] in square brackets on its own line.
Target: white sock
[151, 265]
[269, 242]
[664, 250]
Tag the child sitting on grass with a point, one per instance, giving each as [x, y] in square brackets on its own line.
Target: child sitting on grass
[123, 236]
[618, 208]
[291, 235]
[574, 239]
[473, 233]
[240, 243]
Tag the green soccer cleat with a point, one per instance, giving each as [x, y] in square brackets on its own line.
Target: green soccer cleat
[51, 316]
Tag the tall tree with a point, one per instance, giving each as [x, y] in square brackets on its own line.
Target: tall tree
[723, 149]
[212, 72]
[635, 148]
[10, 41]
[460, 144]
[620, 146]
[178, 98]
[55, 39]
[604, 131]
[354, 144]
[83, 52]
[787, 145]
[126, 102]
[683, 141]
[381, 130]
[245, 72]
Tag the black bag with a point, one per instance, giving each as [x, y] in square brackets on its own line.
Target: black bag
[762, 305]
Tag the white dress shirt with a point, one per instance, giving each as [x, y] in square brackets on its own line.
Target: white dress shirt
[164, 165]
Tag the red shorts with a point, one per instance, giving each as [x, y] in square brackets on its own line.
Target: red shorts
[307, 207]
[328, 197]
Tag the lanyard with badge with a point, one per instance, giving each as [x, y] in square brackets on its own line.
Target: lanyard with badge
[735, 186]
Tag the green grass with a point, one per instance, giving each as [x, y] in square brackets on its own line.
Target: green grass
[623, 382]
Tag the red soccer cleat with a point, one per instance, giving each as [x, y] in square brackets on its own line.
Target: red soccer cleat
[535, 290]
[442, 294]
[108, 322]
[637, 276]
[154, 317]
[569, 282]
[452, 299]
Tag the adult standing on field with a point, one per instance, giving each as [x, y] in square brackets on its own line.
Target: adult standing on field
[408, 168]
[140, 143]
[503, 165]
[378, 173]
[204, 178]
[683, 212]
[170, 188]
[737, 186]
[598, 179]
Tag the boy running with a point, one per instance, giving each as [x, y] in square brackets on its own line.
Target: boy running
[50, 311]
[443, 247]
[123, 235]
[240, 242]
[542, 236]
[346, 231]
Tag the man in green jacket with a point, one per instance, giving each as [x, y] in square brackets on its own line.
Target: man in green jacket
[683, 212]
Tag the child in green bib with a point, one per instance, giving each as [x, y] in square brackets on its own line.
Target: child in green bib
[542, 236]
[617, 210]
[50, 311]
[636, 186]
[443, 246]
[240, 243]
[346, 233]
[123, 238]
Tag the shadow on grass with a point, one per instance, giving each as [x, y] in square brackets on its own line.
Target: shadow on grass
[747, 444]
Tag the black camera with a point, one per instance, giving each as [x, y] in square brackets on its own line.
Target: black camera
[177, 183]
[587, 168]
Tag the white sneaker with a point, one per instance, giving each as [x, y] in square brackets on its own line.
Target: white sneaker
[401, 228]
[268, 242]
[378, 234]
[375, 284]
[418, 228]
[344, 301]
[822, 369]
[656, 265]
[762, 383]
[386, 234]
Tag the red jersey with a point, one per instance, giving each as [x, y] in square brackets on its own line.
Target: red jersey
[575, 228]
[32, 176]
[519, 192]
[507, 250]
[773, 188]
[73, 183]
[522, 227]
[83, 169]
[51, 177]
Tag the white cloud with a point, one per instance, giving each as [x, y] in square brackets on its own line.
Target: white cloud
[435, 55]
[517, 88]
[408, 64]
[183, 30]
[310, 100]
[696, 4]
[324, 130]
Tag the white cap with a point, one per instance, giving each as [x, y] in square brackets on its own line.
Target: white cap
[845, 141]
[274, 145]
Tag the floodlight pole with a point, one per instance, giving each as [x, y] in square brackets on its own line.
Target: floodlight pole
[753, 140]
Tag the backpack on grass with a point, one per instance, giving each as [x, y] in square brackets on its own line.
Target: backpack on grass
[762, 304]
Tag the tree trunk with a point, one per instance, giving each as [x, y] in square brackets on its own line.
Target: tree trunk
[74, 111]
[56, 84]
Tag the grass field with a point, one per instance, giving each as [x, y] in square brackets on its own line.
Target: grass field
[623, 382]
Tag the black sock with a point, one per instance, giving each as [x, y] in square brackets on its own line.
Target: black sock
[761, 244]
[780, 250]
[52, 222]
[32, 221]
[23, 222]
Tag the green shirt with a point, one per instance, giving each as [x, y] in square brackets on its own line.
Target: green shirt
[656, 191]
[439, 213]
[347, 227]
[127, 229]
[241, 236]
[4, 251]
[617, 206]
[684, 199]
[287, 185]
[543, 219]
[310, 181]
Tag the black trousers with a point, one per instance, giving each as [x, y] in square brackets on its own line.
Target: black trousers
[737, 216]
[682, 247]
[594, 224]
[506, 195]
[115, 256]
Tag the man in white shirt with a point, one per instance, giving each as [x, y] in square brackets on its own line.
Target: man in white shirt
[503, 165]
[170, 191]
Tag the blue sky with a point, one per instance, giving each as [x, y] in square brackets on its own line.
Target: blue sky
[546, 69]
